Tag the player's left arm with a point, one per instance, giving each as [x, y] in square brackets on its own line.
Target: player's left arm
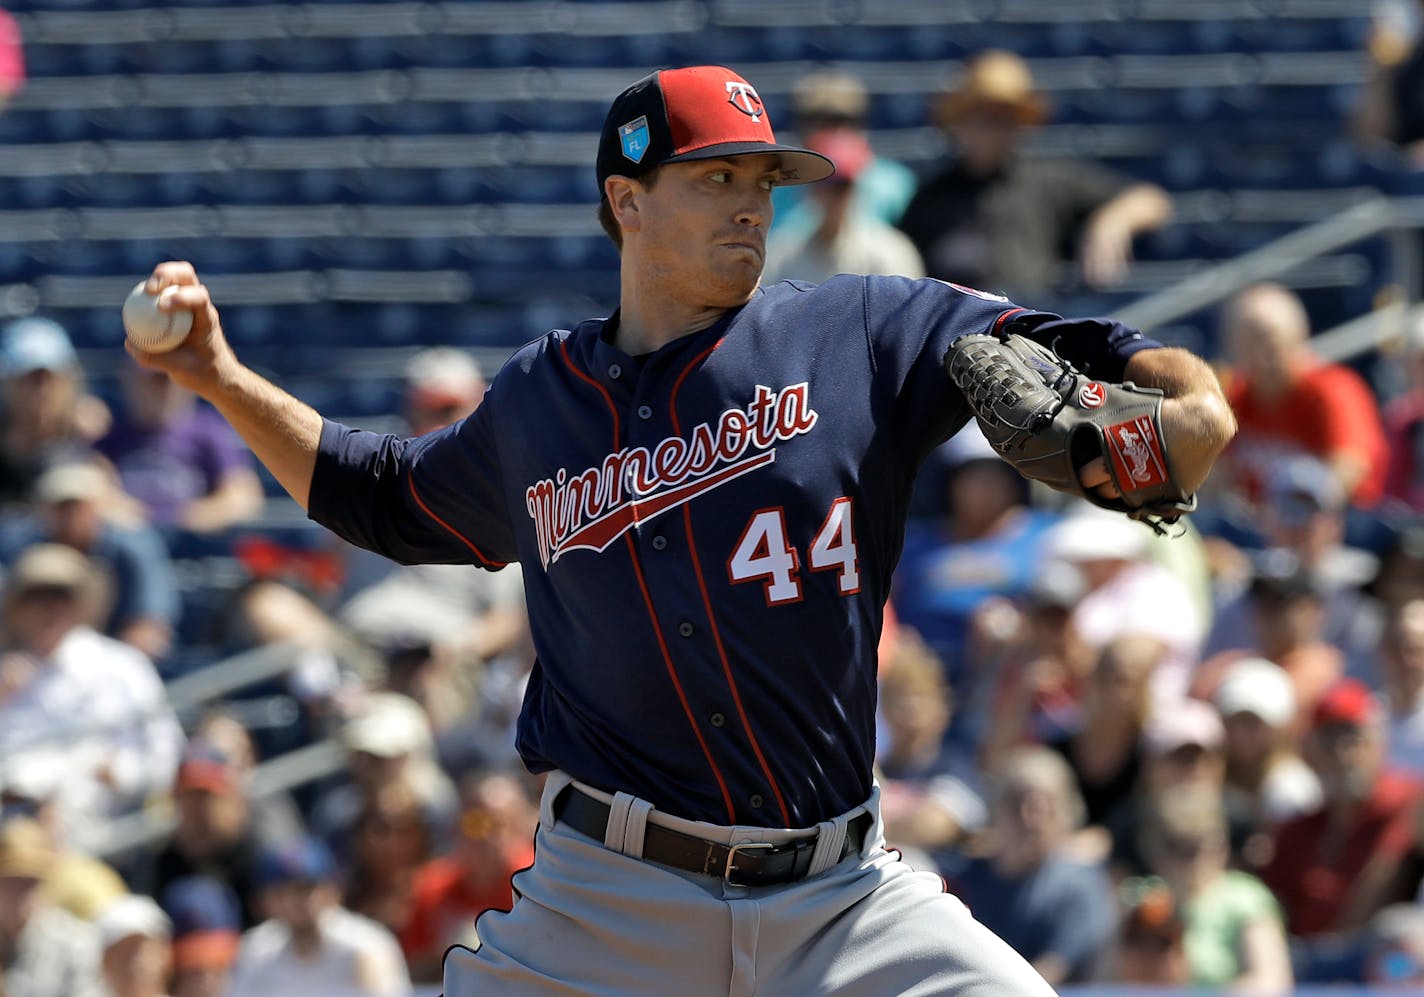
[1197, 421]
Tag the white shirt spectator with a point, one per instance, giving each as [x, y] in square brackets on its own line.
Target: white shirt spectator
[100, 705]
[357, 958]
[863, 246]
[1130, 595]
[441, 602]
[839, 236]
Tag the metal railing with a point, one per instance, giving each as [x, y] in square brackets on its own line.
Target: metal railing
[1402, 218]
[187, 695]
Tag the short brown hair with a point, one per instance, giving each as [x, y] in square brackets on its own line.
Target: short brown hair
[605, 210]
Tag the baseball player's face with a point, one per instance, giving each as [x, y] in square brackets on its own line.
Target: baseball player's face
[702, 228]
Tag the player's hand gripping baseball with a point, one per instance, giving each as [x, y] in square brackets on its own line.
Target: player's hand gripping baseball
[203, 359]
[281, 430]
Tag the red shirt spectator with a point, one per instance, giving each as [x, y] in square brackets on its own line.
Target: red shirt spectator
[1288, 401]
[1320, 868]
[446, 902]
[495, 840]
[1404, 421]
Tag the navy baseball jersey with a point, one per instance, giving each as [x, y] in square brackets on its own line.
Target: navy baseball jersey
[707, 531]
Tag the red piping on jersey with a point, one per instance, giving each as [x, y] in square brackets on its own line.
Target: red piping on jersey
[677, 685]
[648, 602]
[487, 562]
[564, 352]
[1004, 317]
[707, 604]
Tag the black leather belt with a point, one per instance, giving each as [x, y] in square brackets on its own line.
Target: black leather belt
[747, 864]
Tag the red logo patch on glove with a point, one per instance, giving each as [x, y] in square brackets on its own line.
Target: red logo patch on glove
[1136, 454]
[1092, 394]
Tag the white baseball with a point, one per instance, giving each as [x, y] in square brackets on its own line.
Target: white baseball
[148, 328]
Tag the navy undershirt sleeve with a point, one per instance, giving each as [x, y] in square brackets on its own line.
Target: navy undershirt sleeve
[1099, 347]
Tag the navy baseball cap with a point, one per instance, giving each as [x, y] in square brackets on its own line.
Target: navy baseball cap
[302, 860]
[207, 922]
[702, 112]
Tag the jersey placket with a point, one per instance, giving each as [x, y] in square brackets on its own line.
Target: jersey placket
[729, 716]
[664, 557]
[659, 554]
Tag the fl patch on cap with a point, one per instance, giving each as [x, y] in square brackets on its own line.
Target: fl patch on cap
[702, 112]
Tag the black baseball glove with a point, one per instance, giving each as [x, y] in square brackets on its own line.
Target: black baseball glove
[1048, 420]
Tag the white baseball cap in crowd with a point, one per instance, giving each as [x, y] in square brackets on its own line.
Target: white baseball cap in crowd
[132, 915]
[71, 481]
[1183, 723]
[33, 343]
[444, 373]
[1094, 534]
[1257, 686]
[387, 724]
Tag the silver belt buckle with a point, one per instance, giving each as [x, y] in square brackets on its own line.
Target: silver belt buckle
[745, 846]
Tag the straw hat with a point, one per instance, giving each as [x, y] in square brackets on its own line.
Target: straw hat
[26, 851]
[56, 566]
[993, 78]
[830, 95]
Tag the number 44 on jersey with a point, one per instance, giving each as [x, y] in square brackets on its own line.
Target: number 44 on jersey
[764, 553]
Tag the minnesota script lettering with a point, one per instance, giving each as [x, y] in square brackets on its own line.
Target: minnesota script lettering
[590, 510]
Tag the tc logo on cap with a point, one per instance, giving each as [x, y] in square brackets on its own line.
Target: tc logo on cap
[634, 136]
[741, 96]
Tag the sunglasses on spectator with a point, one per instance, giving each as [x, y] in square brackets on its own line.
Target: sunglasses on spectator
[47, 593]
[477, 823]
[1154, 942]
[1184, 848]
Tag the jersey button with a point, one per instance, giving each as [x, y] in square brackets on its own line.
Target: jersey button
[717, 720]
[615, 371]
[659, 543]
[756, 801]
[685, 629]
[645, 412]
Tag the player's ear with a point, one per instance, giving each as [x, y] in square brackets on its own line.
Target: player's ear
[622, 193]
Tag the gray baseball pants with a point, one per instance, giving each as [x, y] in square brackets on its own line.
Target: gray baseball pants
[592, 918]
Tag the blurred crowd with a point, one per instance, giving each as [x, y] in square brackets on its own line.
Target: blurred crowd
[350, 879]
[1182, 760]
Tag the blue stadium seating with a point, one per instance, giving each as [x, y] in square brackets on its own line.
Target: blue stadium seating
[1198, 99]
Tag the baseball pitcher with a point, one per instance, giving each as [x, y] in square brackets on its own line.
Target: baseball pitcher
[707, 492]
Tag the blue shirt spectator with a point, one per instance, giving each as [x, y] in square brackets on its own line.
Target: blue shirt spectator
[142, 590]
[1055, 911]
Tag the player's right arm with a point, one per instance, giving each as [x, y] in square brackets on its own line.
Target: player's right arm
[283, 432]
[433, 499]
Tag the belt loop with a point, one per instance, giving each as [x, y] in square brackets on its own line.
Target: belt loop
[830, 839]
[627, 819]
[555, 784]
[617, 821]
[636, 827]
